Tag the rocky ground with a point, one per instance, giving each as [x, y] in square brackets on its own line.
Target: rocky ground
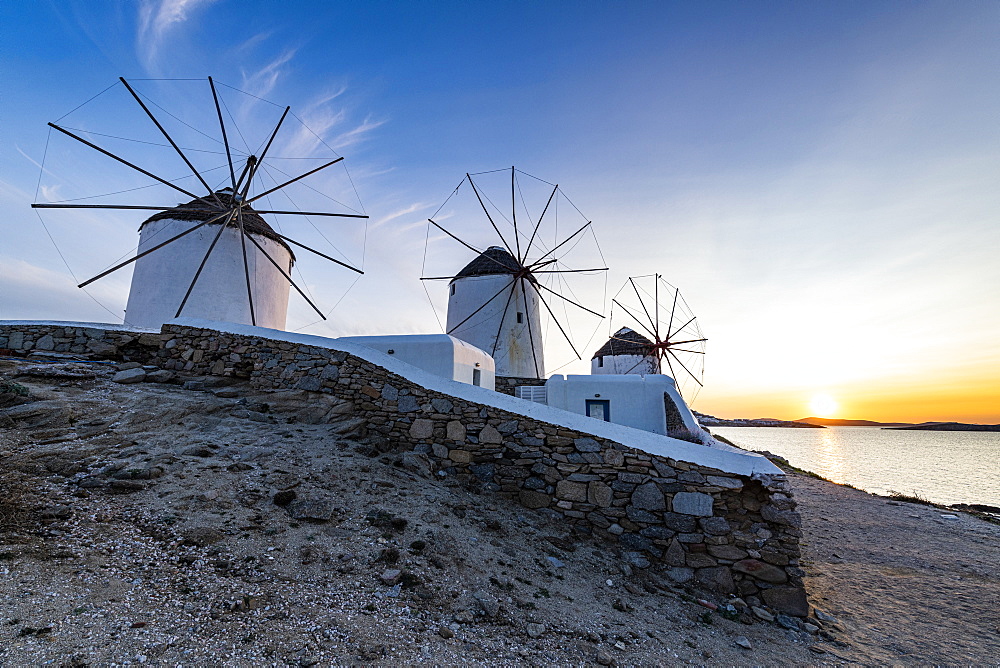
[207, 524]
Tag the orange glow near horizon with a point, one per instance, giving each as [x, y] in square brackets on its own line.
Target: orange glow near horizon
[823, 405]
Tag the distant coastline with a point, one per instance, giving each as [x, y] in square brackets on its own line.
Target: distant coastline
[818, 422]
[947, 426]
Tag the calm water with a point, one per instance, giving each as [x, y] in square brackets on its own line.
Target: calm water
[943, 466]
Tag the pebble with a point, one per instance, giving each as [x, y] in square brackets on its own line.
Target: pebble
[743, 642]
[824, 616]
[391, 576]
[535, 630]
[761, 613]
[604, 659]
[555, 562]
[129, 376]
[445, 632]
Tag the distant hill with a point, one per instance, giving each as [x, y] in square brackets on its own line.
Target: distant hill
[837, 422]
[949, 426]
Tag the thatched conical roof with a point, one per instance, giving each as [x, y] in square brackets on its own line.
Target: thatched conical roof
[626, 342]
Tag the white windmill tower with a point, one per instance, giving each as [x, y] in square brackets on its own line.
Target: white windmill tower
[627, 351]
[511, 330]
[214, 257]
[501, 301]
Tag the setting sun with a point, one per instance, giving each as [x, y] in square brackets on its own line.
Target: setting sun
[823, 405]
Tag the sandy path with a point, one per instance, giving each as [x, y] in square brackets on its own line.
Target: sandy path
[908, 585]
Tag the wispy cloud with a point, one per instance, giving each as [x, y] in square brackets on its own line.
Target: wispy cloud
[157, 19]
[262, 81]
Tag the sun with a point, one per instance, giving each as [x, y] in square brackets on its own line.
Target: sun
[823, 405]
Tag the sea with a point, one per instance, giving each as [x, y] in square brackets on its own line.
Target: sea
[941, 466]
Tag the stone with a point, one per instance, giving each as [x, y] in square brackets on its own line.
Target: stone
[389, 393]
[224, 393]
[679, 523]
[715, 526]
[416, 463]
[786, 517]
[129, 376]
[535, 630]
[203, 536]
[700, 560]
[717, 578]
[100, 348]
[613, 457]
[460, 456]
[440, 451]
[407, 404]
[530, 499]
[675, 554]
[586, 445]
[789, 600]
[761, 571]
[310, 384]
[487, 603]
[762, 614]
[599, 494]
[649, 497]
[680, 575]
[786, 622]
[639, 515]
[657, 533]
[571, 491]
[693, 503]
[727, 552]
[743, 641]
[313, 510]
[490, 436]
[391, 576]
[442, 405]
[445, 632]
[824, 616]
[455, 431]
[45, 343]
[635, 541]
[160, 376]
[330, 372]
[422, 428]
[484, 472]
[691, 476]
[724, 482]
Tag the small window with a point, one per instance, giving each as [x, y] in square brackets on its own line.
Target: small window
[520, 317]
[452, 288]
[599, 409]
[477, 377]
[600, 361]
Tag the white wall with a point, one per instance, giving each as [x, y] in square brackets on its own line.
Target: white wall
[635, 401]
[622, 364]
[439, 354]
[160, 279]
[513, 354]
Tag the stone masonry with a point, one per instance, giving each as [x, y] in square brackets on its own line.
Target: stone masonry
[725, 532]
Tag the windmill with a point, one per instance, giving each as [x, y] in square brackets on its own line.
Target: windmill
[213, 256]
[663, 336]
[522, 270]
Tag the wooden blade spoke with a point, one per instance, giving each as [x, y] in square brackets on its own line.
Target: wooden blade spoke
[116, 206]
[670, 324]
[289, 182]
[246, 265]
[470, 316]
[678, 360]
[539, 223]
[312, 213]
[663, 356]
[127, 163]
[471, 248]
[513, 212]
[556, 320]
[229, 156]
[678, 343]
[564, 242]
[531, 336]
[634, 317]
[678, 330]
[156, 247]
[174, 144]
[684, 350]
[204, 260]
[260, 161]
[569, 300]
[642, 303]
[503, 316]
[486, 211]
[323, 255]
[566, 271]
[285, 274]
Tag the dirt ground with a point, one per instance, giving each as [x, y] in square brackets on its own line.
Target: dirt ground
[213, 525]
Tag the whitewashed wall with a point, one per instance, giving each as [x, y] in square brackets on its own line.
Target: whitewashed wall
[513, 341]
[624, 364]
[439, 354]
[160, 279]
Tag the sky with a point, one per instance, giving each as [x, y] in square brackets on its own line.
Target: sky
[818, 179]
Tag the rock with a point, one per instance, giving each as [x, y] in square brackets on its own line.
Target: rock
[717, 579]
[489, 605]
[649, 497]
[680, 575]
[442, 405]
[284, 497]
[197, 451]
[763, 614]
[715, 526]
[490, 436]
[679, 523]
[786, 517]
[226, 393]
[445, 632]
[761, 571]
[675, 554]
[604, 659]
[203, 536]
[460, 456]
[125, 486]
[600, 494]
[571, 491]
[391, 576]
[313, 510]
[194, 385]
[824, 617]
[389, 392]
[810, 628]
[455, 431]
[535, 630]
[637, 559]
[129, 376]
[700, 560]
[790, 600]
[416, 463]
[787, 622]
[693, 503]
[55, 513]
[727, 552]
[556, 563]
[160, 376]
[421, 428]
[743, 642]
[725, 483]
[530, 499]
[586, 445]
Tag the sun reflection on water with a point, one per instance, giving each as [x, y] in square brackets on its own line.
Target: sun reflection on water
[831, 457]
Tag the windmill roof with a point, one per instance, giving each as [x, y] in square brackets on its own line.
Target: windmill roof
[492, 261]
[625, 342]
[197, 210]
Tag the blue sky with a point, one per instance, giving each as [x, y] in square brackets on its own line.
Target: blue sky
[819, 179]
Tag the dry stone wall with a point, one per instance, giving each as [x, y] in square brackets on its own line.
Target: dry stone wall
[507, 384]
[733, 534]
[81, 339]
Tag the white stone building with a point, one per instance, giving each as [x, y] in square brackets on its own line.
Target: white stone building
[440, 354]
[627, 352]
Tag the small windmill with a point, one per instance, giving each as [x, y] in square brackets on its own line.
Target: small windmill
[667, 335]
[186, 267]
[496, 302]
